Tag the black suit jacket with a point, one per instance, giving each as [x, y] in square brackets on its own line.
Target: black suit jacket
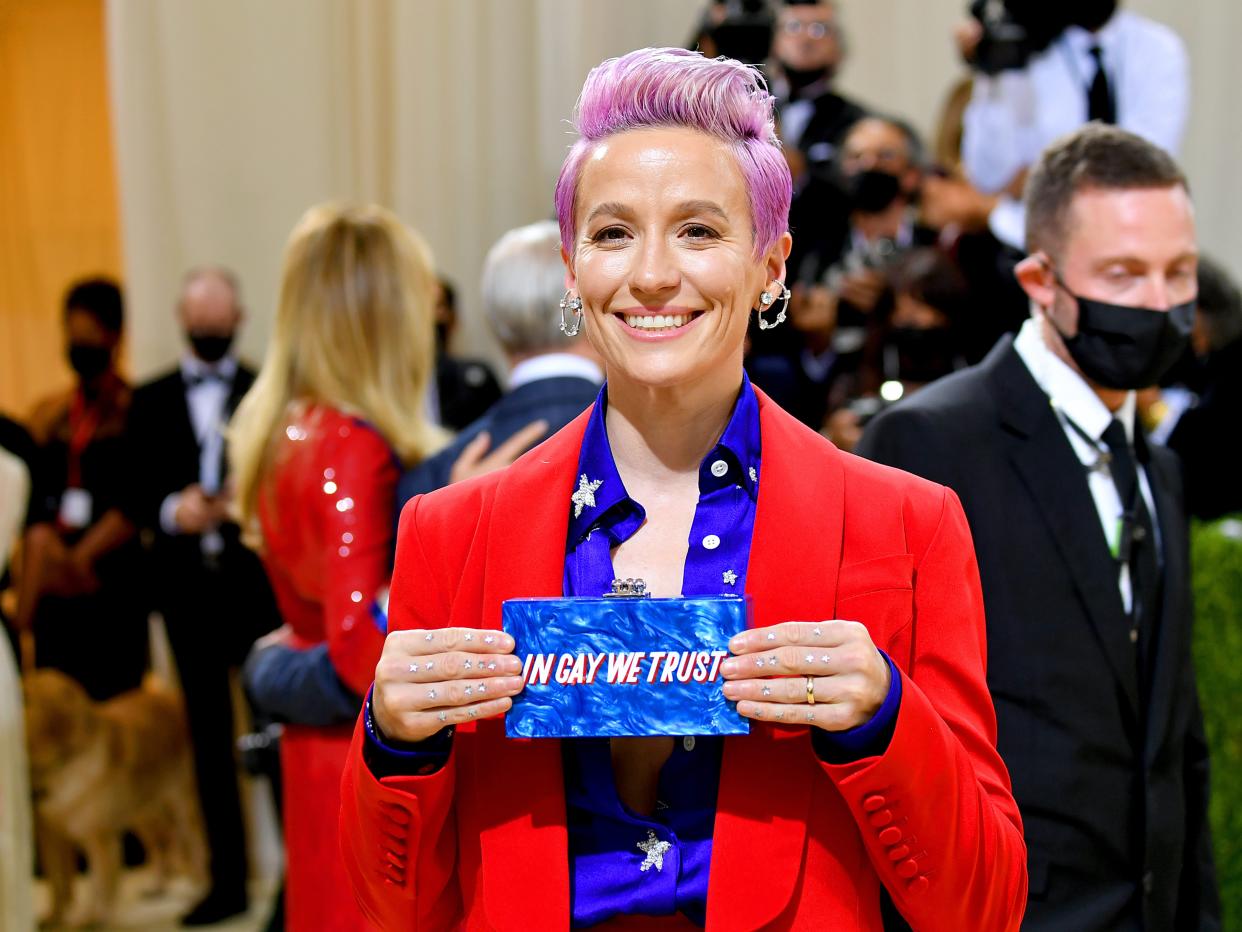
[557, 401]
[1113, 789]
[1212, 487]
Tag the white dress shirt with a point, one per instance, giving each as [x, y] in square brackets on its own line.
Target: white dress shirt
[555, 366]
[206, 400]
[1074, 401]
[1013, 116]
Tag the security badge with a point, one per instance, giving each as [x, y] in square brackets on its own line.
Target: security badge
[76, 506]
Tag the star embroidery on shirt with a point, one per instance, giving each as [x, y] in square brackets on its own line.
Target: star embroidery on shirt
[729, 577]
[655, 850]
[585, 496]
[753, 475]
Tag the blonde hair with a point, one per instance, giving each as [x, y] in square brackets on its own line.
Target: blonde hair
[353, 330]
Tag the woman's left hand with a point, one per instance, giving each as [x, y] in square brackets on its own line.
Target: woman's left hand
[778, 669]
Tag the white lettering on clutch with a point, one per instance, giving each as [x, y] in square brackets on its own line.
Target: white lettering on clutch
[624, 668]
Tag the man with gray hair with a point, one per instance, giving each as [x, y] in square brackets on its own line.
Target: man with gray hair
[552, 378]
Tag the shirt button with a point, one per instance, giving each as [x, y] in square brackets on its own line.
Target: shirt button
[688, 742]
[719, 468]
[711, 542]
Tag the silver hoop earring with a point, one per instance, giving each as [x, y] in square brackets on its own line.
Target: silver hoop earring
[574, 304]
[767, 299]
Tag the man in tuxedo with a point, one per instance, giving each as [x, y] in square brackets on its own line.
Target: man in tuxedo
[210, 588]
[1082, 541]
[808, 48]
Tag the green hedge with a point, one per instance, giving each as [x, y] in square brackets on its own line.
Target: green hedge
[1216, 554]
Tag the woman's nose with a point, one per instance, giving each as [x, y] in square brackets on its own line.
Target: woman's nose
[655, 269]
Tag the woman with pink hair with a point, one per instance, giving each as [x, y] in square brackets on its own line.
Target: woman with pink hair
[870, 762]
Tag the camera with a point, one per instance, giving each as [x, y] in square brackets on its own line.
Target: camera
[740, 29]
[1015, 30]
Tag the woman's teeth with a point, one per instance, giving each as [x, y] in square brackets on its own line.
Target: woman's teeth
[656, 321]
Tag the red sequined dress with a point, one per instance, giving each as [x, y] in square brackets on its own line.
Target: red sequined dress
[326, 510]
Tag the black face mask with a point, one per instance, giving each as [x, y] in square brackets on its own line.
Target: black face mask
[1092, 14]
[89, 361]
[210, 347]
[1128, 347]
[871, 191]
[799, 79]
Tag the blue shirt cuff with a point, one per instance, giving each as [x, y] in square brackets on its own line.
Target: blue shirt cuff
[871, 738]
[388, 758]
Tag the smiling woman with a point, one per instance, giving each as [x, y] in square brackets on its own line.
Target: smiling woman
[862, 680]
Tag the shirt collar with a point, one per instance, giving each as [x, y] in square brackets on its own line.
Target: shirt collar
[1068, 391]
[598, 488]
[194, 368]
[1107, 37]
[555, 366]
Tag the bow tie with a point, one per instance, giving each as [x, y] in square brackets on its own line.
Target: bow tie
[193, 380]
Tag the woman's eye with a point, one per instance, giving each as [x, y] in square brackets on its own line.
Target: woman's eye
[609, 234]
[698, 231]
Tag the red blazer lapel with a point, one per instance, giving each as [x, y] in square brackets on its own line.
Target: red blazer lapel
[766, 778]
[524, 847]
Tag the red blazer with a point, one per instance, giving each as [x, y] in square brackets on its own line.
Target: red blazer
[798, 844]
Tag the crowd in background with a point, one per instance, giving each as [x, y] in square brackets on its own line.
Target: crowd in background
[248, 506]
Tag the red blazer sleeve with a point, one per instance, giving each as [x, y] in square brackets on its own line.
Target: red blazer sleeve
[356, 523]
[936, 811]
[398, 836]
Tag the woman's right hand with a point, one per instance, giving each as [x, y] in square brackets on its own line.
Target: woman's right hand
[427, 680]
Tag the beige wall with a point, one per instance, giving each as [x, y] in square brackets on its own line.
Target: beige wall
[232, 117]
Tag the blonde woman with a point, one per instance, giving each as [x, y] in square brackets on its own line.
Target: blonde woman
[317, 446]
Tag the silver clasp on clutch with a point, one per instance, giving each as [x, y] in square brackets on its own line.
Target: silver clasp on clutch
[628, 589]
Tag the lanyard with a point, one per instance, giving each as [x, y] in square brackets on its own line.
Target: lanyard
[83, 423]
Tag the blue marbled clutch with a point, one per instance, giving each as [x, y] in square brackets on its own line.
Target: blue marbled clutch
[607, 667]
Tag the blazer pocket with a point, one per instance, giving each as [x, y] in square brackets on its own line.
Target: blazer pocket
[880, 594]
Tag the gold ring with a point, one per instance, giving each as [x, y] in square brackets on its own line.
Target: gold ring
[810, 690]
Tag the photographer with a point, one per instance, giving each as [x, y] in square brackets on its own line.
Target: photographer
[840, 271]
[1043, 69]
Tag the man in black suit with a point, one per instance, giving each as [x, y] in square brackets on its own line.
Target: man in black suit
[808, 48]
[210, 588]
[1082, 542]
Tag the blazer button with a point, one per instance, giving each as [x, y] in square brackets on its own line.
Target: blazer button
[873, 802]
[398, 815]
[899, 853]
[881, 818]
[917, 886]
[907, 868]
[890, 836]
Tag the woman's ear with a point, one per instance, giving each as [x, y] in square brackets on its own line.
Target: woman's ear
[571, 280]
[775, 259]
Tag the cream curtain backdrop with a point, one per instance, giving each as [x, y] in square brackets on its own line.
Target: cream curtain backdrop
[231, 117]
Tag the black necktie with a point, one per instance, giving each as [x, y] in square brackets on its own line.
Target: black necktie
[1137, 547]
[1100, 103]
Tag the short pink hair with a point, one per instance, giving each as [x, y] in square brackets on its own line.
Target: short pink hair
[677, 88]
